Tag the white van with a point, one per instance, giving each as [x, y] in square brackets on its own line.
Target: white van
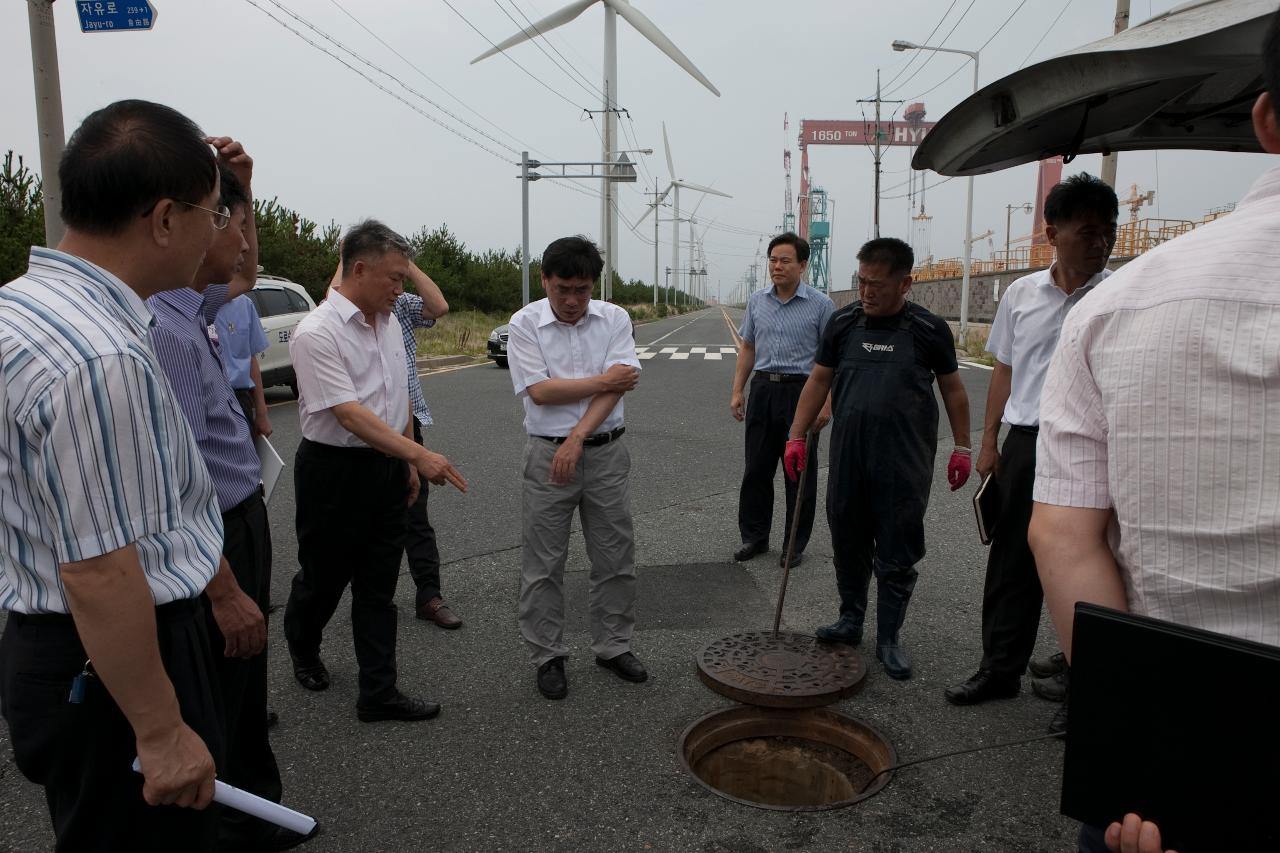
[281, 306]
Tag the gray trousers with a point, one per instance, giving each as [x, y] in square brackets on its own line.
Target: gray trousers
[601, 494]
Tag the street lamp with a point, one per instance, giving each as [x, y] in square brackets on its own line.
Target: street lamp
[900, 46]
[1025, 207]
[617, 172]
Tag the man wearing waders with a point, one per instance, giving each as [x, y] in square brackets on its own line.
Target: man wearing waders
[879, 357]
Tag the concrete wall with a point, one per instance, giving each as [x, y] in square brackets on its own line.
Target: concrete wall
[942, 296]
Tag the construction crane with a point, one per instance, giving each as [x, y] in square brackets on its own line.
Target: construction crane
[1136, 200]
[819, 240]
[788, 216]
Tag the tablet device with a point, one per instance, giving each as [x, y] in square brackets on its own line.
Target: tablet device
[986, 506]
[1177, 724]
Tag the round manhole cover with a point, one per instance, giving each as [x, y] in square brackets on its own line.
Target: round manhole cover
[781, 670]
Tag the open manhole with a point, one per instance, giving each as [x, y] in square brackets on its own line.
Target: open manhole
[786, 759]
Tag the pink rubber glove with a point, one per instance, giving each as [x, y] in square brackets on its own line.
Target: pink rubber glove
[958, 468]
[793, 458]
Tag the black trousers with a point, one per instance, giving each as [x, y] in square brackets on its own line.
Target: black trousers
[245, 398]
[351, 530]
[82, 753]
[250, 763]
[771, 407]
[1012, 595]
[420, 541]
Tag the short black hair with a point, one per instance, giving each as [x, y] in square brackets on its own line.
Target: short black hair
[1271, 61]
[371, 239]
[888, 250]
[231, 192]
[124, 158]
[790, 238]
[1078, 196]
[570, 258]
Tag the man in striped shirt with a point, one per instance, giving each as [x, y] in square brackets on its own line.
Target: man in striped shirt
[235, 612]
[780, 336]
[1158, 464]
[109, 518]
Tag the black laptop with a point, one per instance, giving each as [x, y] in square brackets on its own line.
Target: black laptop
[1179, 725]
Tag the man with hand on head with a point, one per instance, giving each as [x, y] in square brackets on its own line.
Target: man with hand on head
[780, 333]
[572, 359]
[240, 339]
[357, 471]
[110, 521]
[878, 360]
[237, 600]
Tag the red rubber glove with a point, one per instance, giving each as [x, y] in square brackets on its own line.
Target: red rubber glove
[793, 458]
[958, 468]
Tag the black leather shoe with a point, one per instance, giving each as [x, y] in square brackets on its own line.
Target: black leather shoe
[1048, 667]
[311, 674]
[843, 630]
[796, 559]
[399, 707]
[626, 666]
[1053, 688]
[280, 839]
[746, 552]
[982, 686]
[551, 679]
[1058, 725]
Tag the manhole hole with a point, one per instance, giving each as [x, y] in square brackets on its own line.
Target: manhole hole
[781, 670]
[788, 760]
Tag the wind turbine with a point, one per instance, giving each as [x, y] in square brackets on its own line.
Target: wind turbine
[646, 28]
[674, 189]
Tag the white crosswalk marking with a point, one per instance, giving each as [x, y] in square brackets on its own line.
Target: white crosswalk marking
[712, 356]
[667, 350]
[698, 349]
[733, 350]
[685, 352]
[643, 355]
[677, 356]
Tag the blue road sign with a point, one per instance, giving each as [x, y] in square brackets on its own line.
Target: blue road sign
[113, 16]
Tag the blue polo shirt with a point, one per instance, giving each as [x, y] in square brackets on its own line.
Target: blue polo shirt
[240, 338]
[786, 334]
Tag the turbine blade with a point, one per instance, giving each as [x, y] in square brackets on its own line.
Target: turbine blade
[652, 207]
[701, 189]
[550, 22]
[649, 30]
[671, 166]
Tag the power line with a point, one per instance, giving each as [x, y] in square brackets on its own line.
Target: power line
[511, 59]
[915, 54]
[428, 78]
[932, 54]
[979, 50]
[1062, 12]
[931, 186]
[570, 71]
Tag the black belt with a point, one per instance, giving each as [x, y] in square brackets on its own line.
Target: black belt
[319, 449]
[765, 376]
[591, 441]
[174, 610]
[245, 505]
[1029, 430]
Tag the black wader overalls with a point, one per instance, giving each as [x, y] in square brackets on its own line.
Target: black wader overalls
[883, 443]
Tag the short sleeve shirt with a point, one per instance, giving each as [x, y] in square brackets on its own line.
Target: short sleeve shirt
[786, 334]
[239, 338]
[935, 346]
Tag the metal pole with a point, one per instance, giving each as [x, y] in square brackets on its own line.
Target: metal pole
[1008, 224]
[524, 227]
[968, 238]
[655, 242]
[44, 71]
[609, 218]
[1111, 161]
[877, 208]
[675, 244]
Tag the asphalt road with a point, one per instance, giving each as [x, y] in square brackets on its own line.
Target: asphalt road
[504, 769]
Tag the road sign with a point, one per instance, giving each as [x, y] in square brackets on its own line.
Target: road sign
[863, 132]
[100, 16]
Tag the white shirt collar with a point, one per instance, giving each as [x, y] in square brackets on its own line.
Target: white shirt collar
[546, 316]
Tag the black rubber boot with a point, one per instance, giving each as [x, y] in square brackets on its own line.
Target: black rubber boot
[893, 593]
[847, 629]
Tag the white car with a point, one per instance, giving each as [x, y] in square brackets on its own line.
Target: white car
[281, 306]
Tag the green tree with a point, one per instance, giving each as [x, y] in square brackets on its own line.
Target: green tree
[21, 217]
[292, 246]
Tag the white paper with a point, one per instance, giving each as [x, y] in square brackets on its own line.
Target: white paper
[272, 465]
[252, 804]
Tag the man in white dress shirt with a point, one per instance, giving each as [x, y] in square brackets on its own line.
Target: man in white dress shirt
[572, 359]
[350, 475]
[1158, 468]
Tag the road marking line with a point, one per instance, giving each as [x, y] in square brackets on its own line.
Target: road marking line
[737, 339]
[643, 355]
[729, 349]
[712, 356]
[667, 350]
[673, 331]
[698, 349]
[677, 356]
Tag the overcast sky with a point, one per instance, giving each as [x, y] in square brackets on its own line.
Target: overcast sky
[334, 146]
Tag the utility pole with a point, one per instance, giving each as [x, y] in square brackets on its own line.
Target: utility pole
[44, 70]
[1110, 161]
[877, 100]
[656, 201]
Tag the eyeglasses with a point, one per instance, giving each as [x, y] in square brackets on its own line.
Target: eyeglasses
[221, 216]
